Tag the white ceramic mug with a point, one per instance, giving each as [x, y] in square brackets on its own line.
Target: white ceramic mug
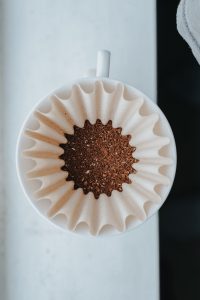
[123, 219]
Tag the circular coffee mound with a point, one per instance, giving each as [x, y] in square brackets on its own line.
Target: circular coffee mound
[98, 158]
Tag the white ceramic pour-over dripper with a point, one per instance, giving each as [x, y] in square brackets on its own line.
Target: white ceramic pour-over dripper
[38, 165]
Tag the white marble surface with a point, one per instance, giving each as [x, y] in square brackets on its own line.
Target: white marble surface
[45, 43]
[2, 199]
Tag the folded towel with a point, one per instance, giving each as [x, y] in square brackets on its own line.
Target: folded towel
[188, 24]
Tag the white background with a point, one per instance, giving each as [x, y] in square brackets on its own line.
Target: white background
[43, 45]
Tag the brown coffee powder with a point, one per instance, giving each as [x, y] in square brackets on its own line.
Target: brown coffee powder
[98, 158]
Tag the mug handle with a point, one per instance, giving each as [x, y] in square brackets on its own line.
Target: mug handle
[103, 63]
[102, 67]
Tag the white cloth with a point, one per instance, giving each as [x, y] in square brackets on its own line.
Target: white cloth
[188, 24]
